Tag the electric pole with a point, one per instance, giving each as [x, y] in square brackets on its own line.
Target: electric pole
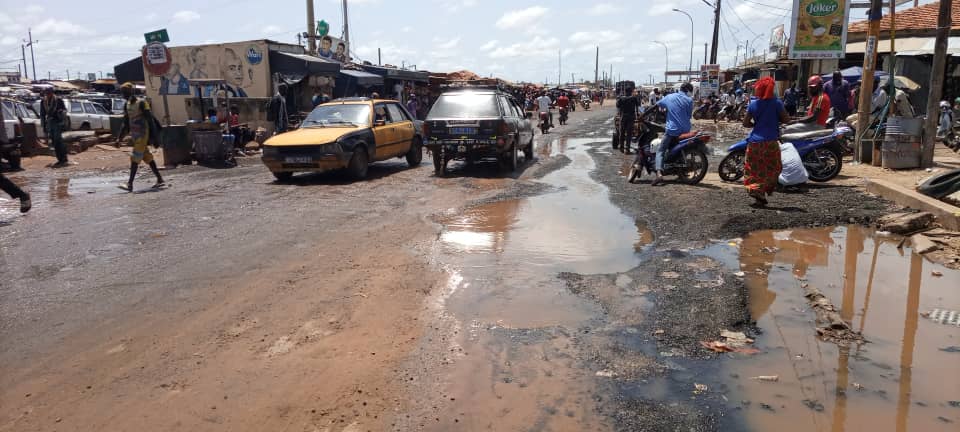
[559, 66]
[311, 29]
[346, 25]
[875, 14]
[716, 32]
[33, 61]
[596, 68]
[936, 82]
[23, 52]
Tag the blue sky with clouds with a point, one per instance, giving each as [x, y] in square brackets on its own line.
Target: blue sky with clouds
[513, 39]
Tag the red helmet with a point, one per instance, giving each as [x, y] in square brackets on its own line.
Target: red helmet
[814, 81]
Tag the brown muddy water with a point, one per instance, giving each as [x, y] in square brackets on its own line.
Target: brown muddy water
[906, 378]
[518, 320]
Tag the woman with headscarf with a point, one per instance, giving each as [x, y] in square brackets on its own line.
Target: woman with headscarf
[762, 164]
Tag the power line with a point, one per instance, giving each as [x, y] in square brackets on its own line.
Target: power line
[767, 5]
[734, 10]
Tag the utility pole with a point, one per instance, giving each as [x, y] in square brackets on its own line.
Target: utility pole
[611, 74]
[705, 53]
[596, 68]
[379, 59]
[23, 52]
[874, 15]
[311, 29]
[936, 82]
[559, 66]
[716, 32]
[346, 24]
[33, 61]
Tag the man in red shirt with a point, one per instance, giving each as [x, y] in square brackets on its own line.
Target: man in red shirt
[817, 113]
[563, 101]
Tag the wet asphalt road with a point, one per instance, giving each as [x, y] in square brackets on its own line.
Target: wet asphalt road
[558, 298]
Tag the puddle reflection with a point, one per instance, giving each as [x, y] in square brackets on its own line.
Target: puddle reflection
[902, 377]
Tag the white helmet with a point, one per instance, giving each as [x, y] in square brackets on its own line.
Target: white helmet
[944, 104]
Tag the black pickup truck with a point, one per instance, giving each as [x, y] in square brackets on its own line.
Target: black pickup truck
[473, 124]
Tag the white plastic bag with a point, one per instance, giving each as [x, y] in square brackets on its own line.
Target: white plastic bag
[793, 172]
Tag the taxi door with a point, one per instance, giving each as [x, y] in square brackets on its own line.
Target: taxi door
[403, 129]
[383, 134]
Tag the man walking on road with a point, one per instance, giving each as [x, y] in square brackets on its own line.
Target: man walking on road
[628, 107]
[53, 117]
[838, 90]
[679, 108]
[139, 122]
[8, 186]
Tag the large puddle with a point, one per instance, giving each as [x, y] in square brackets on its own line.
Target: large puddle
[518, 319]
[907, 377]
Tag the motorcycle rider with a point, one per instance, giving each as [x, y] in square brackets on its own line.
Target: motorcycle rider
[679, 108]
[543, 106]
[563, 103]
[817, 113]
[628, 107]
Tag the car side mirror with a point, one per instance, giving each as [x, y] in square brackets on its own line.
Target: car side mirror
[379, 123]
[528, 115]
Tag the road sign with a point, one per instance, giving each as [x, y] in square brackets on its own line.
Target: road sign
[322, 28]
[157, 36]
[156, 58]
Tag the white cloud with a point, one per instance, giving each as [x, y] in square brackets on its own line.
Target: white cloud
[34, 10]
[185, 16]
[406, 29]
[673, 35]
[271, 30]
[661, 9]
[604, 9]
[8, 40]
[521, 18]
[605, 36]
[60, 27]
[489, 45]
[456, 5]
[450, 44]
[538, 47]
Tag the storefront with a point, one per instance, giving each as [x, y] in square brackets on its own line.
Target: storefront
[351, 83]
[399, 83]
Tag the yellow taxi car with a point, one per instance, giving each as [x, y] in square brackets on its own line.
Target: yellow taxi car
[345, 134]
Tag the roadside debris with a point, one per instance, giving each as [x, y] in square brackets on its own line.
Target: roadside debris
[605, 374]
[830, 326]
[767, 378]
[943, 316]
[905, 223]
[813, 404]
[936, 274]
[732, 342]
[699, 388]
[670, 275]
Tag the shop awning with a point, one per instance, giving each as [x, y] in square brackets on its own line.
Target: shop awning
[911, 46]
[399, 74]
[364, 79]
[129, 71]
[298, 66]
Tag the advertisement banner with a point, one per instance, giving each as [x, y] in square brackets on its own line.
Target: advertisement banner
[819, 29]
[709, 80]
[332, 48]
[778, 38]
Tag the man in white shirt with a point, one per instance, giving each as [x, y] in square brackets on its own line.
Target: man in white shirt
[543, 106]
[654, 97]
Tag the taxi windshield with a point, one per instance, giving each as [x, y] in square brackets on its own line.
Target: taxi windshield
[339, 115]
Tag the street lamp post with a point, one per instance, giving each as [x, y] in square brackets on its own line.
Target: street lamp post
[666, 60]
[746, 52]
[690, 65]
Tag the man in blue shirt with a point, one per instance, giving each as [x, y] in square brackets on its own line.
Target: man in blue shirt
[791, 99]
[839, 92]
[679, 107]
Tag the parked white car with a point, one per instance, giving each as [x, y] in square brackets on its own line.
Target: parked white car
[14, 111]
[84, 114]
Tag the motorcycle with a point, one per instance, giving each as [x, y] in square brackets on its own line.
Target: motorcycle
[544, 122]
[821, 151]
[706, 110]
[563, 116]
[687, 159]
[585, 103]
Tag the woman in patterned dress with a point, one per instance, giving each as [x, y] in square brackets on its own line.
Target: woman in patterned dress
[762, 165]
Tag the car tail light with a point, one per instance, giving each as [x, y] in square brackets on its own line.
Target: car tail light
[426, 129]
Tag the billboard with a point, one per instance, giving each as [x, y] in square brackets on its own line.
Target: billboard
[242, 65]
[709, 80]
[778, 38]
[332, 48]
[819, 29]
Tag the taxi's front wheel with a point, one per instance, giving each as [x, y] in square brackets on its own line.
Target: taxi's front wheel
[358, 164]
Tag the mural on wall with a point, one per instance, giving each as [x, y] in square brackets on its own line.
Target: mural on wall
[333, 49]
[241, 65]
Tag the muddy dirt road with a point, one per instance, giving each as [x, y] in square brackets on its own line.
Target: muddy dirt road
[559, 298]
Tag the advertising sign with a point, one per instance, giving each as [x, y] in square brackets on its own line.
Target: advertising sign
[778, 38]
[156, 58]
[709, 80]
[333, 48]
[819, 29]
[157, 36]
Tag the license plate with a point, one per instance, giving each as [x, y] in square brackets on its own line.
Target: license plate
[298, 159]
[463, 131]
[462, 149]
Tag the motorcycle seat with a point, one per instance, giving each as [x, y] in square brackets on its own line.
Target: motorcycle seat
[688, 135]
[806, 135]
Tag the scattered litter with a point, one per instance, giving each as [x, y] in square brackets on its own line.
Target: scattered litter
[659, 332]
[767, 407]
[905, 223]
[699, 388]
[922, 244]
[733, 342]
[767, 378]
[739, 274]
[943, 316]
[858, 386]
[814, 405]
[936, 274]
[830, 326]
[951, 349]
[606, 373]
[670, 275]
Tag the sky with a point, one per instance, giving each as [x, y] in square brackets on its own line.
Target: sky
[517, 40]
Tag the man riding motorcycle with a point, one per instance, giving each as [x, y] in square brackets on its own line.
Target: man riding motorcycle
[817, 113]
[679, 108]
[543, 106]
[563, 103]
